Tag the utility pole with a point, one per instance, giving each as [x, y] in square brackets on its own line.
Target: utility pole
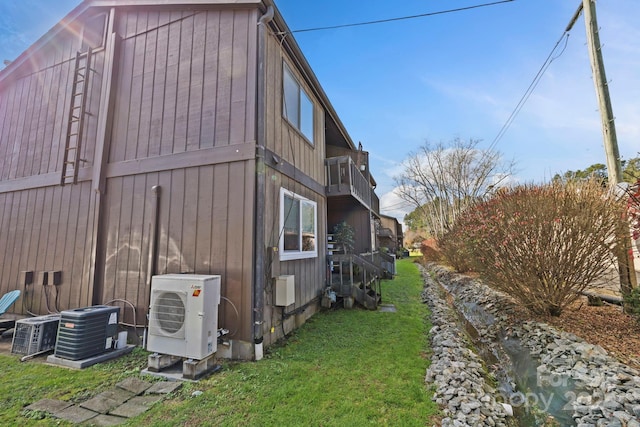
[614, 169]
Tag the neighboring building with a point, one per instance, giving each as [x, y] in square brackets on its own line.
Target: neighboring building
[143, 137]
[390, 236]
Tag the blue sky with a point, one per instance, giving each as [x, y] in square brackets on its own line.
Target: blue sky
[396, 85]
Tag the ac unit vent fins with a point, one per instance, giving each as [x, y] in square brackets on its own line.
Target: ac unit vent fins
[169, 312]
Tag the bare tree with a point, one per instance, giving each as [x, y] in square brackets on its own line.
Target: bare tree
[442, 180]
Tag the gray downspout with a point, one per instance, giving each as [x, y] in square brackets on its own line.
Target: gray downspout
[259, 228]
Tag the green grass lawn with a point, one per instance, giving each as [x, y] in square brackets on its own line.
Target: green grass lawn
[342, 368]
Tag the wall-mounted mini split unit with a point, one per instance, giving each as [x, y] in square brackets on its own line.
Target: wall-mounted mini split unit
[86, 332]
[183, 316]
[35, 335]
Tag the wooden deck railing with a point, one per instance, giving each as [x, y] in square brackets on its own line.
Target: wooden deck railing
[345, 178]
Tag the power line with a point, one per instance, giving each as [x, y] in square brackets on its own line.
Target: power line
[532, 86]
[402, 18]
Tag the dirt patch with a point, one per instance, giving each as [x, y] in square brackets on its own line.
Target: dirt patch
[606, 326]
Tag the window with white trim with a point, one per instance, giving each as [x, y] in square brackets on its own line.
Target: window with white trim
[298, 226]
[297, 106]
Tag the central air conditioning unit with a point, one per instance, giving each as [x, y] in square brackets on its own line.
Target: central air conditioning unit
[86, 332]
[183, 316]
[35, 335]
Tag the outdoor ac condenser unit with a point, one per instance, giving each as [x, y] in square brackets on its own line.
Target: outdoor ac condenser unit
[86, 332]
[183, 316]
[35, 335]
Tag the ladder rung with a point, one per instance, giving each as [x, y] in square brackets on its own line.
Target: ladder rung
[71, 148]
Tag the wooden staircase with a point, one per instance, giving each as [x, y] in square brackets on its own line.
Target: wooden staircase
[355, 278]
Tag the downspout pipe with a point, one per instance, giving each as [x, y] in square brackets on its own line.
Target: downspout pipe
[260, 199]
[152, 256]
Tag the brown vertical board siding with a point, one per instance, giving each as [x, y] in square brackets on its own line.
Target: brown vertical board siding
[111, 204]
[205, 218]
[148, 85]
[7, 95]
[196, 78]
[251, 73]
[210, 83]
[195, 90]
[125, 233]
[175, 257]
[288, 143]
[205, 228]
[46, 127]
[238, 269]
[185, 60]
[76, 288]
[219, 239]
[189, 235]
[137, 47]
[159, 84]
[70, 233]
[61, 112]
[272, 65]
[118, 149]
[309, 273]
[31, 133]
[29, 244]
[238, 78]
[225, 66]
[127, 244]
[4, 287]
[19, 120]
[139, 241]
[24, 128]
[282, 138]
[171, 86]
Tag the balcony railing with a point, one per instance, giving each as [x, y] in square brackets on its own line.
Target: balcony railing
[384, 232]
[345, 179]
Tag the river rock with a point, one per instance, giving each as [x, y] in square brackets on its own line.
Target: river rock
[564, 359]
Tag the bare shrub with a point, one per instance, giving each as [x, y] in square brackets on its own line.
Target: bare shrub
[543, 244]
[453, 247]
[430, 250]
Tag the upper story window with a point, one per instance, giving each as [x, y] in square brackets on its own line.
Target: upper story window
[297, 107]
[299, 225]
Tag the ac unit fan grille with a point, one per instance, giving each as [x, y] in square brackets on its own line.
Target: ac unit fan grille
[169, 312]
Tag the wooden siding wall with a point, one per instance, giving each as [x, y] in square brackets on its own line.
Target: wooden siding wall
[44, 230]
[183, 118]
[45, 227]
[186, 83]
[310, 274]
[34, 109]
[205, 227]
[285, 141]
[353, 213]
[282, 138]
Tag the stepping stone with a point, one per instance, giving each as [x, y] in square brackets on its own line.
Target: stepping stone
[164, 387]
[107, 420]
[107, 400]
[50, 406]
[134, 385]
[136, 406]
[75, 414]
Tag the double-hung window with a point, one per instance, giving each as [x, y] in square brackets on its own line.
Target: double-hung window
[297, 107]
[298, 226]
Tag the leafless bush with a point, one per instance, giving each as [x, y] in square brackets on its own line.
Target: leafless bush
[543, 244]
